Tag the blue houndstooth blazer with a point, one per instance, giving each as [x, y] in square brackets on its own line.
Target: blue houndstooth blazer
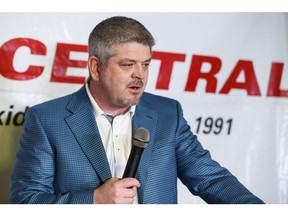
[61, 158]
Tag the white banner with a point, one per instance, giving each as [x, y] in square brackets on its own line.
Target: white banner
[228, 70]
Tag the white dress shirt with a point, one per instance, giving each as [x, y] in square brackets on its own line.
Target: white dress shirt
[116, 137]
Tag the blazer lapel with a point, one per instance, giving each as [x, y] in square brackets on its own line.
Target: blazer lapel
[146, 118]
[83, 125]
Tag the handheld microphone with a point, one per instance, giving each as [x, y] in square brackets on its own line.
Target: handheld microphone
[140, 140]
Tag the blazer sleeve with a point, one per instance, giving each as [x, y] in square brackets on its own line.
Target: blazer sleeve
[33, 173]
[202, 175]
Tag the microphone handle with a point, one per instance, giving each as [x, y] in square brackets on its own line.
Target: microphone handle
[133, 162]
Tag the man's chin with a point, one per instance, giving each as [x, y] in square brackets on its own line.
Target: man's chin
[129, 103]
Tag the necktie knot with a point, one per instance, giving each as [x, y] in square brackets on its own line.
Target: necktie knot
[109, 118]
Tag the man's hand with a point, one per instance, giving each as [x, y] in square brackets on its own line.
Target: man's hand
[116, 191]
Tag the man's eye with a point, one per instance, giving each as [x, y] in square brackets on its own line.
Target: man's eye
[127, 65]
[146, 66]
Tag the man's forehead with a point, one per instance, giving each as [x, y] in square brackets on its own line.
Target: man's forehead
[133, 51]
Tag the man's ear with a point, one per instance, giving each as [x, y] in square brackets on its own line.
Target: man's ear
[94, 67]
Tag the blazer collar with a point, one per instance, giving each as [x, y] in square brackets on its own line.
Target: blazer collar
[83, 125]
[147, 118]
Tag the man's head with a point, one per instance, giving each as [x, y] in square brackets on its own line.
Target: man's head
[120, 51]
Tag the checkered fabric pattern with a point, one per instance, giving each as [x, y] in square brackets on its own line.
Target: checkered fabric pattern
[61, 158]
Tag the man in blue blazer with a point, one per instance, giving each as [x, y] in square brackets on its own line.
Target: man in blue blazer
[70, 153]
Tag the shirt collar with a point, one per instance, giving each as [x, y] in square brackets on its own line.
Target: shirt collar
[98, 111]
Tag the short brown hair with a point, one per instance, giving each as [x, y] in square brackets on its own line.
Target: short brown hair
[113, 31]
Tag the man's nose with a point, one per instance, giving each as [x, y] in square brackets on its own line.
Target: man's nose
[138, 72]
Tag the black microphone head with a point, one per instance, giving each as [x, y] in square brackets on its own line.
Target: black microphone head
[141, 137]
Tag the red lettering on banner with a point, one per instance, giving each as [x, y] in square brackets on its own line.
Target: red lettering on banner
[196, 73]
[166, 66]
[250, 84]
[62, 63]
[275, 81]
[7, 52]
